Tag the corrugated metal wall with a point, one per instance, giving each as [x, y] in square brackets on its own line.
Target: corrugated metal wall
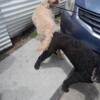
[5, 41]
[17, 14]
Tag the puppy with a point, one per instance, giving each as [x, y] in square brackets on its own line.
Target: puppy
[43, 19]
[86, 63]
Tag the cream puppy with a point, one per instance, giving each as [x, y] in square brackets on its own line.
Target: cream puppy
[43, 19]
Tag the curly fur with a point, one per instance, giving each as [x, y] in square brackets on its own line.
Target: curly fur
[43, 19]
[86, 63]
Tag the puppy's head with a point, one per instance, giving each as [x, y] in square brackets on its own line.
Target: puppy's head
[96, 75]
[53, 3]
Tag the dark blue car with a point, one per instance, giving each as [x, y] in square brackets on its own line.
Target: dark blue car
[83, 22]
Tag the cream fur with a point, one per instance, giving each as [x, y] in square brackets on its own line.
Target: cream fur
[43, 19]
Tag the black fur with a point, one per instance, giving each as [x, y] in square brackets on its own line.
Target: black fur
[83, 59]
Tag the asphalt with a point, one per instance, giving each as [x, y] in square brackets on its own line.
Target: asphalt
[20, 81]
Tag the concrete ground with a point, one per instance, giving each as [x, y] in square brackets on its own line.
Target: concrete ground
[20, 81]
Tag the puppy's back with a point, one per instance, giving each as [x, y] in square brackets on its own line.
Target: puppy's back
[79, 54]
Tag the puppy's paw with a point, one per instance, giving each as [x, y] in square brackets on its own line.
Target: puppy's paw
[65, 88]
[37, 66]
[60, 55]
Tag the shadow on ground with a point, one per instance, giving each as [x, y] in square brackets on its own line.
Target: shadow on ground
[3, 56]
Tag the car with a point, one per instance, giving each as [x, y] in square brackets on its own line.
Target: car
[81, 19]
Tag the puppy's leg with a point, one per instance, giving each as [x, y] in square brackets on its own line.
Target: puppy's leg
[74, 78]
[40, 42]
[46, 42]
[41, 58]
[39, 48]
[59, 54]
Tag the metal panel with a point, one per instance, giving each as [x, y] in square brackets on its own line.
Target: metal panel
[5, 41]
[18, 13]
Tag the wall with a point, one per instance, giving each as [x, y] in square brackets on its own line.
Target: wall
[5, 41]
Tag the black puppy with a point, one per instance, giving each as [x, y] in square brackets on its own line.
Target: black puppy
[85, 61]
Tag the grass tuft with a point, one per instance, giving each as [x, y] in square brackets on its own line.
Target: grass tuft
[34, 34]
